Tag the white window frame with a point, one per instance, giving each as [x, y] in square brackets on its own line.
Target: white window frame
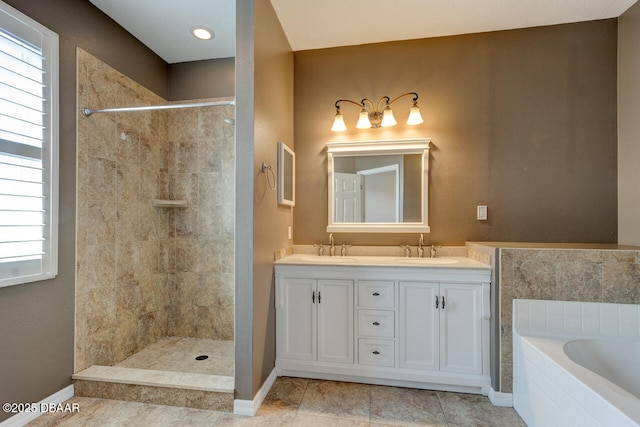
[21, 26]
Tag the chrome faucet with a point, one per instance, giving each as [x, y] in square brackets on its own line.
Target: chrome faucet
[407, 250]
[320, 247]
[343, 250]
[420, 248]
[332, 250]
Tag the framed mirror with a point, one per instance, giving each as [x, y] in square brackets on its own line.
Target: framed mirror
[286, 175]
[378, 186]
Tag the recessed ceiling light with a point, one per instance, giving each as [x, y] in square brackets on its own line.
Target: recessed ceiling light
[202, 33]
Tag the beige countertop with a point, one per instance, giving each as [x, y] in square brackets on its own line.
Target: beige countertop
[381, 261]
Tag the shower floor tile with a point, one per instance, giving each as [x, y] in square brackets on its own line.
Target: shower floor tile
[179, 355]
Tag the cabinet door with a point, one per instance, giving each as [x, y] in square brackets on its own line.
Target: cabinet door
[335, 321]
[296, 319]
[460, 328]
[419, 325]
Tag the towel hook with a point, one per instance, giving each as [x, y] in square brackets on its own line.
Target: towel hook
[268, 170]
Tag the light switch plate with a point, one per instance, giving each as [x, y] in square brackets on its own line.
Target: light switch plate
[482, 213]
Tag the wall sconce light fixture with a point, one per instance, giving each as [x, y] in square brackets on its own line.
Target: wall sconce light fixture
[373, 117]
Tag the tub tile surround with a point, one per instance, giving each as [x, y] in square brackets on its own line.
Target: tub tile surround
[581, 274]
[545, 392]
[144, 273]
[574, 318]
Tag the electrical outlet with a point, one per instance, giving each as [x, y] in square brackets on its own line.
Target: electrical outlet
[481, 213]
[289, 232]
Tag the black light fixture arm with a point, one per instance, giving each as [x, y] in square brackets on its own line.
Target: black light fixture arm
[376, 107]
[348, 100]
[415, 97]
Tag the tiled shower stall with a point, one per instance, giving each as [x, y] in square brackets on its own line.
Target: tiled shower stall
[143, 272]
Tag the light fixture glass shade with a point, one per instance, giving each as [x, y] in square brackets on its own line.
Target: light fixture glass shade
[387, 117]
[338, 123]
[363, 120]
[415, 118]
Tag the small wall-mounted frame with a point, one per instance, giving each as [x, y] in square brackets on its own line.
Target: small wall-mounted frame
[286, 175]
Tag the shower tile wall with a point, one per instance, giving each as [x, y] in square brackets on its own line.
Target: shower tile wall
[611, 276]
[203, 295]
[138, 279]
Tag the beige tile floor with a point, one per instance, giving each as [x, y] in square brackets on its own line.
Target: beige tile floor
[308, 403]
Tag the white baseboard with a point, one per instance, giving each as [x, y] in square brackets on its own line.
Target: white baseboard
[22, 418]
[500, 399]
[250, 407]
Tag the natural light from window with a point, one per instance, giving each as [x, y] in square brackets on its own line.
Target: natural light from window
[28, 149]
[21, 124]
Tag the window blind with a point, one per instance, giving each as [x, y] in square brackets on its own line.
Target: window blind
[28, 149]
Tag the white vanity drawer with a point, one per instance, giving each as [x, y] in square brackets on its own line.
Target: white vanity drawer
[376, 323]
[376, 352]
[376, 294]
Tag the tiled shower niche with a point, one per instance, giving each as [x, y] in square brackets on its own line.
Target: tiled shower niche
[144, 273]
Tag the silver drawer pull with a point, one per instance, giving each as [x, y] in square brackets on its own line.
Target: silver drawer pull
[376, 352]
[375, 294]
[376, 323]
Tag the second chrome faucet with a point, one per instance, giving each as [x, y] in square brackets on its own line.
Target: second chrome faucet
[332, 247]
[407, 249]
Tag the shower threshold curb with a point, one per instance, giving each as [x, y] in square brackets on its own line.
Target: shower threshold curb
[154, 378]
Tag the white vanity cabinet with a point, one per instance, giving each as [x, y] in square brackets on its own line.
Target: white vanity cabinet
[315, 320]
[380, 324]
[441, 327]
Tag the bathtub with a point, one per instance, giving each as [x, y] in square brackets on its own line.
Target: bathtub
[617, 361]
[576, 364]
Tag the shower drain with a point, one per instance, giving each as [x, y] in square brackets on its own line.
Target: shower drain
[203, 357]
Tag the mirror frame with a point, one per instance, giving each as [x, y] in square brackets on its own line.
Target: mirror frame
[394, 147]
[283, 150]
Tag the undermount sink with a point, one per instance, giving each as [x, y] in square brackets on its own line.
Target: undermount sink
[427, 261]
[327, 259]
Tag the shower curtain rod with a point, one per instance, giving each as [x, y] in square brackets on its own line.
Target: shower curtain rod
[87, 111]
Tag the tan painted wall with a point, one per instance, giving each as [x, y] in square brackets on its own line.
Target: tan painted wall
[522, 121]
[264, 115]
[273, 122]
[212, 78]
[629, 127]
